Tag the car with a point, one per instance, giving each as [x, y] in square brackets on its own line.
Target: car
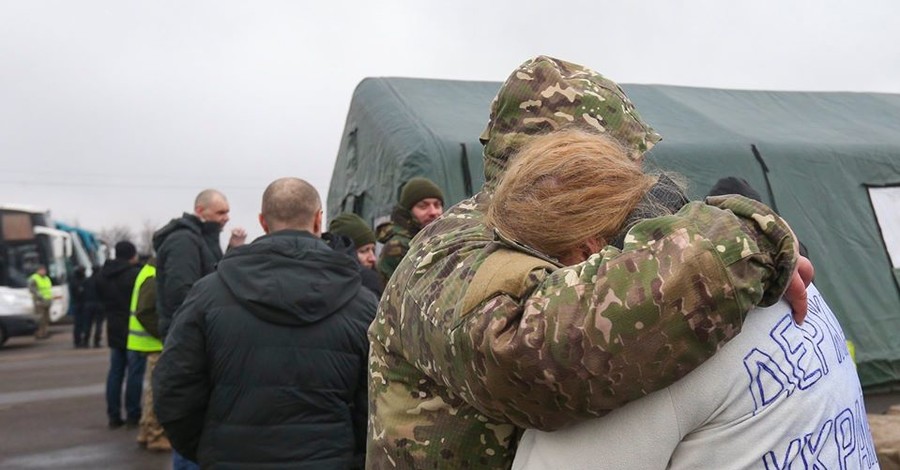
[17, 316]
[16, 325]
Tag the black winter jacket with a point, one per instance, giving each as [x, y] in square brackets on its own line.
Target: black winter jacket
[114, 286]
[266, 362]
[186, 250]
[343, 244]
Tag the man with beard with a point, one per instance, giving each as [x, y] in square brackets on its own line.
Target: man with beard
[421, 202]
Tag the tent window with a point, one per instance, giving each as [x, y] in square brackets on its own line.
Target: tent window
[348, 203]
[353, 203]
[358, 206]
[886, 203]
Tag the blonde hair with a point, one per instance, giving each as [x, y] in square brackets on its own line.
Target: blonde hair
[565, 187]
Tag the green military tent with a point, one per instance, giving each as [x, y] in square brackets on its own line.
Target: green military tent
[828, 162]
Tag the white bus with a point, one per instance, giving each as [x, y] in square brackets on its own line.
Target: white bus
[28, 240]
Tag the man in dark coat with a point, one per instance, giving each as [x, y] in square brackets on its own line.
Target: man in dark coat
[114, 288]
[93, 306]
[82, 329]
[265, 365]
[187, 248]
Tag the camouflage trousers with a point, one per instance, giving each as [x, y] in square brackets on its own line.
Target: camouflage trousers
[150, 432]
[42, 312]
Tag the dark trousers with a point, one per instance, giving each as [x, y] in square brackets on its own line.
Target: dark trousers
[128, 367]
[95, 317]
[81, 333]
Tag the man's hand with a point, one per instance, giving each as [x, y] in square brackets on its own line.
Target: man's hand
[796, 291]
[238, 237]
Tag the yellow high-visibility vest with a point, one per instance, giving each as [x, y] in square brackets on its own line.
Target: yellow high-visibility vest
[44, 285]
[138, 338]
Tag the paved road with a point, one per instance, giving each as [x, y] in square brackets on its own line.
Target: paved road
[52, 409]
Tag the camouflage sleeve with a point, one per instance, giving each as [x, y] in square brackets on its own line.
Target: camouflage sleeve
[594, 336]
[33, 290]
[391, 254]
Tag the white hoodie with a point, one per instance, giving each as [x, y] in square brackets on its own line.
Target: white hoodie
[777, 396]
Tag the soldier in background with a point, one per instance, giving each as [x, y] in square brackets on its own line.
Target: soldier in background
[421, 202]
[468, 347]
[40, 286]
[144, 338]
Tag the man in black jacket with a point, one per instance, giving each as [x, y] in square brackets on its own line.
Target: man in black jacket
[265, 365]
[187, 248]
[114, 286]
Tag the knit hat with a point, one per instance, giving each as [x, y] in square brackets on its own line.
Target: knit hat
[417, 189]
[125, 250]
[734, 185]
[353, 226]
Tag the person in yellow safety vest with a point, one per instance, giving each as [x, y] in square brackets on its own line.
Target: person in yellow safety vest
[143, 337]
[40, 286]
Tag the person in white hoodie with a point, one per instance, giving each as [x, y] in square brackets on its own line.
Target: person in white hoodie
[780, 395]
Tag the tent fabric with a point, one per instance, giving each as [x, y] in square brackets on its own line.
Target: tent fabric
[398, 128]
[812, 155]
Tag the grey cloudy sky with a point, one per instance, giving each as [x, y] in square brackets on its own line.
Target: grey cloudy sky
[119, 112]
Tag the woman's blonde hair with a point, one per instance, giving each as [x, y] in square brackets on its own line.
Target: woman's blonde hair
[565, 187]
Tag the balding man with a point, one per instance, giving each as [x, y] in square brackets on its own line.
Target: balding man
[266, 363]
[187, 248]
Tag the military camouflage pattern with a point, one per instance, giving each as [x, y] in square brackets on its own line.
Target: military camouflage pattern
[545, 94]
[395, 238]
[150, 433]
[455, 377]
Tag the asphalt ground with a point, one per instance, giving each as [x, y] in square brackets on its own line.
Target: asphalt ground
[53, 409]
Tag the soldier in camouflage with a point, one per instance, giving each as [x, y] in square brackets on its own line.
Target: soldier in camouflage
[478, 337]
[421, 202]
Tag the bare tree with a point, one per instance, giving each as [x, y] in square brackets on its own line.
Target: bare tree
[145, 237]
[116, 233]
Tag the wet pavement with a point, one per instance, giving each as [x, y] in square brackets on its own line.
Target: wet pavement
[53, 410]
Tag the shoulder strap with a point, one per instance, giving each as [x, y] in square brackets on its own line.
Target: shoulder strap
[504, 271]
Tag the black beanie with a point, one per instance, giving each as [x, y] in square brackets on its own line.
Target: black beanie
[734, 185]
[351, 225]
[417, 189]
[125, 250]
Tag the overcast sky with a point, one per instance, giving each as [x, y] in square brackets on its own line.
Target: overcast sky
[119, 112]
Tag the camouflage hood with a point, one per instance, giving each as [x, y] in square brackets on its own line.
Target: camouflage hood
[545, 94]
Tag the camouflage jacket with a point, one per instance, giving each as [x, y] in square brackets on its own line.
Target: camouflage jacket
[457, 369]
[454, 379]
[395, 238]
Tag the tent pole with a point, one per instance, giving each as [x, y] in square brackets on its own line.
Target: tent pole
[765, 169]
